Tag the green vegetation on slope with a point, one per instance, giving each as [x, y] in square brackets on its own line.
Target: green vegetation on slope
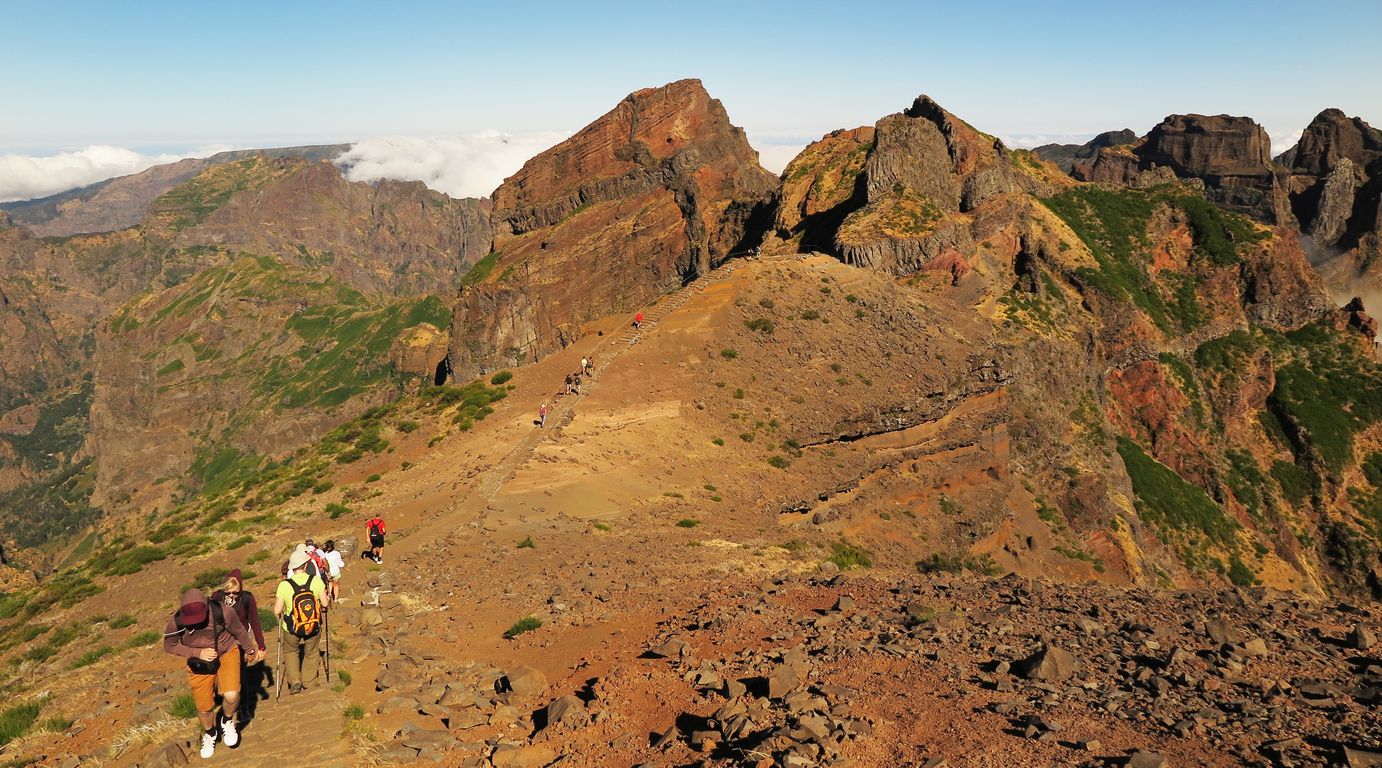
[1113, 223]
[1175, 506]
[60, 431]
[192, 201]
[1328, 393]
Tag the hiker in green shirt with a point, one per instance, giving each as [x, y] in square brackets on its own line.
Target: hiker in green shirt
[300, 606]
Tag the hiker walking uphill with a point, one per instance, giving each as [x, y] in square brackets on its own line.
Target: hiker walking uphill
[299, 606]
[232, 595]
[335, 564]
[211, 639]
[374, 531]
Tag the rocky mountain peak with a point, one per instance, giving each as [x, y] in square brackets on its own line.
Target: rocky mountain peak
[1230, 156]
[1202, 145]
[650, 194]
[1332, 135]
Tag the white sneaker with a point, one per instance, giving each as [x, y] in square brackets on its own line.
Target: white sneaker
[229, 735]
[208, 744]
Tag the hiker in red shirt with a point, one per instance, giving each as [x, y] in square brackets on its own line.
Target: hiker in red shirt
[637, 321]
[374, 530]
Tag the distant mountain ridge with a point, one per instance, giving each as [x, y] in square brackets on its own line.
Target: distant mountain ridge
[1065, 156]
[122, 201]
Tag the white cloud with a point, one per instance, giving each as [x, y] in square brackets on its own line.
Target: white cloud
[1033, 140]
[775, 157]
[23, 177]
[465, 166]
[1284, 143]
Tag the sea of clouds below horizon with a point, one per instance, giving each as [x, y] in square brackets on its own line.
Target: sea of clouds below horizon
[472, 165]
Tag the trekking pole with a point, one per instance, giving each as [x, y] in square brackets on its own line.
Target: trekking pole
[327, 662]
[278, 670]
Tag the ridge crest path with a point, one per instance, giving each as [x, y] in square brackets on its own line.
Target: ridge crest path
[475, 503]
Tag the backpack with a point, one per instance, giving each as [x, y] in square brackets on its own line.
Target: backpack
[304, 615]
[323, 569]
[376, 527]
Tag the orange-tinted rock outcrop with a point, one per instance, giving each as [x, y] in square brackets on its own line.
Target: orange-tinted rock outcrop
[648, 196]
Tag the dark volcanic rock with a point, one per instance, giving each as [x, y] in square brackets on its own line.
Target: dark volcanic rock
[1231, 156]
[1336, 170]
[1065, 156]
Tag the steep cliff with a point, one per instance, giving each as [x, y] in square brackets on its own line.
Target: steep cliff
[823, 185]
[648, 196]
[1231, 156]
[930, 181]
[1336, 172]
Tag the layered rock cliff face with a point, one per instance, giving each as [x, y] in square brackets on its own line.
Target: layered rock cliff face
[1162, 358]
[1231, 156]
[1336, 177]
[648, 196]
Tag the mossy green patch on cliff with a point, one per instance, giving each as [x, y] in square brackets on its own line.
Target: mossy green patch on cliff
[60, 430]
[1246, 481]
[1113, 224]
[480, 270]
[1329, 391]
[1185, 376]
[55, 507]
[216, 471]
[902, 213]
[1172, 504]
[192, 201]
[351, 344]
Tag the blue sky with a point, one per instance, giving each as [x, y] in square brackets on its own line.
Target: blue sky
[172, 77]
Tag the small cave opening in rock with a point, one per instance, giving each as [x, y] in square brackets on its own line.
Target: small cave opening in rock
[443, 372]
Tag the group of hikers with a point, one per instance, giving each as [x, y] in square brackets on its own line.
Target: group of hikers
[572, 386]
[220, 635]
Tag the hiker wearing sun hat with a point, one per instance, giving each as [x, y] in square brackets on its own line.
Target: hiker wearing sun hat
[211, 640]
[299, 606]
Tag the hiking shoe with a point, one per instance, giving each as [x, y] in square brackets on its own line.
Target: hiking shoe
[295, 688]
[208, 744]
[229, 735]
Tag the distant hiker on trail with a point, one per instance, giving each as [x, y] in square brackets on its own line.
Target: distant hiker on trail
[211, 640]
[575, 384]
[299, 606]
[590, 367]
[570, 384]
[542, 412]
[318, 560]
[301, 549]
[585, 366]
[374, 531]
[336, 564]
[638, 321]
